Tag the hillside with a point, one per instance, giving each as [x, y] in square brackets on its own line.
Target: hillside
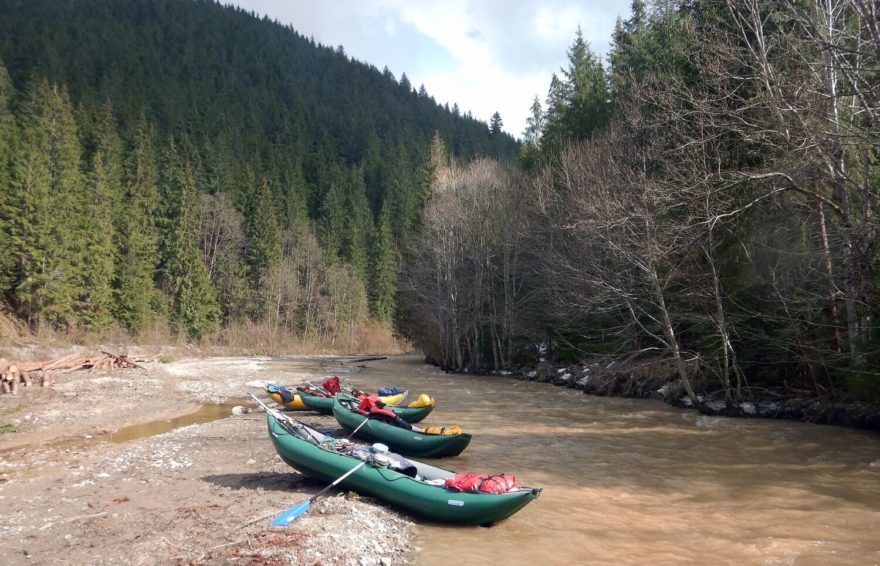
[296, 171]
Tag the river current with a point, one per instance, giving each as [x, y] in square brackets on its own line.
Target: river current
[630, 481]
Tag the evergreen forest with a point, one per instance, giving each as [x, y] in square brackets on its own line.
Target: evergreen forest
[190, 165]
[707, 194]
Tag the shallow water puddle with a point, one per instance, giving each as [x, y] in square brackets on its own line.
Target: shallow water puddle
[204, 414]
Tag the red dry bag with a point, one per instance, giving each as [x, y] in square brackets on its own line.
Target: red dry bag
[331, 384]
[498, 484]
[466, 481]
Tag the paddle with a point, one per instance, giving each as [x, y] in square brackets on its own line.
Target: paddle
[363, 422]
[292, 513]
[279, 418]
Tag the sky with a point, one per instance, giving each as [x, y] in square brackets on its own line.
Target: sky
[484, 55]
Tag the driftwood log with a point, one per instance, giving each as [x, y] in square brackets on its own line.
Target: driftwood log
[11, 374]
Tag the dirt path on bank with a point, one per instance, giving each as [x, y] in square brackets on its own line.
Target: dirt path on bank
[201, 493]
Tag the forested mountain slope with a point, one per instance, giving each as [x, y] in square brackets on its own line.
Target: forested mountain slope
[188, 161]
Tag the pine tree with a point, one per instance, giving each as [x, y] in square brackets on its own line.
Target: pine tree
[294, 197]
[381, 289]
[137, 239]
[195, 307]
[219, 164]
[359, 223]
[530, 149]
[96, 227]
[47, 191]
[556, 101]
[94, 293]
[405, 85]
[8, 150]
[264, 251]
[495, 124]
[402, 195]
[333, 214]
[586, 91]
[534, 124]
[438, 158]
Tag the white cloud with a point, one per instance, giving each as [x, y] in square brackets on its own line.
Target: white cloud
[557, 24]
[485, 55]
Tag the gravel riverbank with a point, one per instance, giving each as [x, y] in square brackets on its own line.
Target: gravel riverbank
[202, 493]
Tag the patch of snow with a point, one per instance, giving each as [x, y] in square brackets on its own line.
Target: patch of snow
[749, 408]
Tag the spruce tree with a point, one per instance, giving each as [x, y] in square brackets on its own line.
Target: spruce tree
[359, 224]
[402, 195]
[94, 293]
[47, 191]
[381, 288]
[8, 209]
[495, 124]
[264, 251]
[438, 158]
[333, 214]
[136, 298]
[295, 198]
[96, 227]
[530, 149]
[195, 308]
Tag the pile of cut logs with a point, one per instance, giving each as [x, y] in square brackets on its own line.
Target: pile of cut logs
[13, 374]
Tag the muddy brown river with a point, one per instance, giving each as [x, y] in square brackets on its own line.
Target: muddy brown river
[636, 482]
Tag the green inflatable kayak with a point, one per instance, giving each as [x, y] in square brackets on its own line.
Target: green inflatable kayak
[324, 405]
[411, 414]
[414, 442]
[424, 495]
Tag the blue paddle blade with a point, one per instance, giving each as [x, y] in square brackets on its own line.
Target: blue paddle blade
[330, 430]
[289, 515]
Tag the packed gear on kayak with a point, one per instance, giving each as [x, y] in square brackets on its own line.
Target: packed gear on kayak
[374, 408]
[387, 391]
[479, 482]
[285, 394]
[331, 385]
[447, 430]
[314, 391]
[424, 400]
